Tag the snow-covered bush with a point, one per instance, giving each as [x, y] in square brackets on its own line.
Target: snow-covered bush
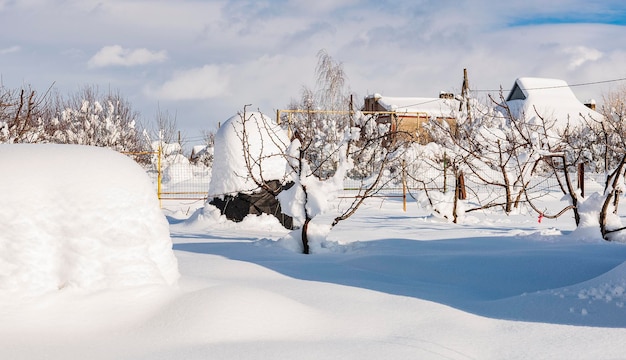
[79, 217]
[202, 155]
[87, 118]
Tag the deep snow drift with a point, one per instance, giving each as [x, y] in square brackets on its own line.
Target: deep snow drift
[386, 283]
[79, 217]
[391, 284]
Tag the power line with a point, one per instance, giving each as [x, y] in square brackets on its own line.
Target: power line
[563, 86]
[422, 103]
[535, 88]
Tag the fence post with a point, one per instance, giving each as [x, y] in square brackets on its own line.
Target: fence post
[159, 174]
[581, 179]
[445, 175]
[403, 186]
[460, 184]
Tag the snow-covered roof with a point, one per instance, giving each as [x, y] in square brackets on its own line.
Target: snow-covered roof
[551, 99]
[435, 107]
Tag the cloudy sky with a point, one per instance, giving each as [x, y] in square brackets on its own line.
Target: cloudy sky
[204, 60]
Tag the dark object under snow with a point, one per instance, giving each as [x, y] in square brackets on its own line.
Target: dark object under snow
[237, 207]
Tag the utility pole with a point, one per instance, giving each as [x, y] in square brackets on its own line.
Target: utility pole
[465, 95]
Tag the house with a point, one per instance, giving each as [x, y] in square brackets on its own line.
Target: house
[539, 100]
[407, 115]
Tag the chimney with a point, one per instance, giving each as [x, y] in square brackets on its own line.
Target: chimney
[591, 103]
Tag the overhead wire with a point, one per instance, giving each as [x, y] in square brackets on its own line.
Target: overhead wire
[561, 86]
[534, 88]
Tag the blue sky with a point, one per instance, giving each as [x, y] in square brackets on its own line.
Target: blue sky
[204, 60]
[609, 15]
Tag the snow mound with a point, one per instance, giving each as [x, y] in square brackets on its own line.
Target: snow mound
[264, 141]
[79, 217]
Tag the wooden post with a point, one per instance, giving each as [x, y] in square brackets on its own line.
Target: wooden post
[581, 179]
[403, 186]
[465, 95]
[445, 171]
[351, 110]
[460, 183]
[159, 175]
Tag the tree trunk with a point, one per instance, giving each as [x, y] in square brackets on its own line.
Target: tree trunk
[305, 237]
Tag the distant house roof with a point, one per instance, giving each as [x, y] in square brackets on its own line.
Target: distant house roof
[434, 107]
[551, 99]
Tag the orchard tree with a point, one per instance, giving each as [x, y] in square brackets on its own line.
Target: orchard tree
[598, 145]
[497, 152]
[310, 194]
[324, 137]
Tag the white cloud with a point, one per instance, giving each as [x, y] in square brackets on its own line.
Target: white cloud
[581, 54]
[408, 49]
[116, 55]
[9, 50]
[319, 6]
[205, 82]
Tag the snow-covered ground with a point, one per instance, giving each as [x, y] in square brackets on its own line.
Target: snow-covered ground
[389, 284]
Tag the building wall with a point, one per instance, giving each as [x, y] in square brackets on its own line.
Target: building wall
[405, 126]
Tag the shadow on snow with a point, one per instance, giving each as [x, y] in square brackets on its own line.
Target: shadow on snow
[513, 278]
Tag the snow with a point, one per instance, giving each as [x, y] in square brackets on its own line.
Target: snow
[81, 218]
[384, 284]
[263, 139]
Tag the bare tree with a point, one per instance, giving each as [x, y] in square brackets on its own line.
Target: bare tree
[322, 113]
[499, 154]
[324, 128]
[21, 114]
[598, 145]
[165, 129]
[310, 194]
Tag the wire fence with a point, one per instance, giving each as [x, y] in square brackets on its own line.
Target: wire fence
[178, 179]
[174, 178]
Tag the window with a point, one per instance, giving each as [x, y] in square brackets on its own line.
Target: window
[516, 94]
